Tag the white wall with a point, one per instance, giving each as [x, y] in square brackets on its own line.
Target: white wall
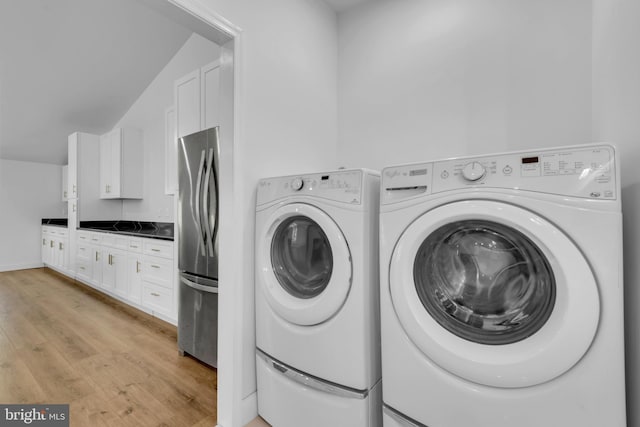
[28, 192]
[286, 111]
[428, 79]
[147, 113]
[616, 118]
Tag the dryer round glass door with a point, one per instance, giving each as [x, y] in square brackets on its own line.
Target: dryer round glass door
[494, 293]
[301, 257]
[484, 281]
[305, 264]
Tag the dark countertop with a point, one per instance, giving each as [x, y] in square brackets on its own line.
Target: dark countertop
[58, 222]
[153, 230]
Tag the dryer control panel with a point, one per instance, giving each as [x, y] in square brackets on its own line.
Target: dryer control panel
[582, 171]
[340, 186]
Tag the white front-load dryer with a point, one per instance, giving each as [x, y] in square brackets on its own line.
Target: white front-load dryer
[317, 300]
[501, 291]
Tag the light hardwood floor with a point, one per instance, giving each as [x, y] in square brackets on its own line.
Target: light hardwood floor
[62, 342]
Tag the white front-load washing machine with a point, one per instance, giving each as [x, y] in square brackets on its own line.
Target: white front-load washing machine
[502, 291]
[317, 300]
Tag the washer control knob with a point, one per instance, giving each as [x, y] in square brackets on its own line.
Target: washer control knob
[297, 184]
[473, 171]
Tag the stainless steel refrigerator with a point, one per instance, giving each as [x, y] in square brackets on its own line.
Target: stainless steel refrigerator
[198, 156]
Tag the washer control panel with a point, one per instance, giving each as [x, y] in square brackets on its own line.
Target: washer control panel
[583, 171]
[341, 186]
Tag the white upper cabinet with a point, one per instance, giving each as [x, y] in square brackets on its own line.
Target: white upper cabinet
[210, 95]
[187, 101]
[72, 167]
[170, 154]
[121, 164]
[65, 183]
[197, 100]
[197, 105]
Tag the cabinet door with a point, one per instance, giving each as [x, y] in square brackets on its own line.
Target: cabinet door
[65, 183]
[96, 268]
[170, 152]
[210, 95]
[114, 271]
[134, 277]
[187, 98]
[45, 246]
[72, 177]
[105, 166]
[60, 249]
[115, 140]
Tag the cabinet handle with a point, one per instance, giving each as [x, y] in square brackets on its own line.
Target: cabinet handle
[60, 247]
[74, 207]
[96, 255]
[51, 244]
[155, 250]
[82, 268]
[65, 194]
[155, 266]
[74, 189]
[137, 266]
[133, 246]
[155, 294]
[44, 243]
[110, 259]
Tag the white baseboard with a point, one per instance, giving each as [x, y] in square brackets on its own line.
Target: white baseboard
[13, 267]
[249, 408]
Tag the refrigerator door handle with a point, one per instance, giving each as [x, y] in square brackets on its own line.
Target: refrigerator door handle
[210, 289]
[198, 207]
[207, 189]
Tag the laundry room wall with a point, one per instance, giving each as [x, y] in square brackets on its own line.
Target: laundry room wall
[422, 80]
[616, 118]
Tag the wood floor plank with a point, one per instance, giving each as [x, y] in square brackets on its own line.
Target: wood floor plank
[21, 332]
[59, 380]
[62, 342]
[17, 383]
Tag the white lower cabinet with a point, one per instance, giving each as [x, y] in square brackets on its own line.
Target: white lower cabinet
[55, 250]
[135, 270]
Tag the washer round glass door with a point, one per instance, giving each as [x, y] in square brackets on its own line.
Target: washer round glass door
[305, 264]
[494, 293]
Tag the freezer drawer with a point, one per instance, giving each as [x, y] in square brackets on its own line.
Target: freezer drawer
[198, 320]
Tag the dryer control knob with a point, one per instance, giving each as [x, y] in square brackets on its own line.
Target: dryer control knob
[297, 184]
[473, 171]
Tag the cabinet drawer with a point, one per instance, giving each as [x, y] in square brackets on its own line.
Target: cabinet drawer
[84, 251]
[157, 298]
[158, 248]
[134, 245]
[83, 268]
[158, 271]
[115, 241]
[95, 238]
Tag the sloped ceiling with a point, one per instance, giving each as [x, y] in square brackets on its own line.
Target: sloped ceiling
[74, 65]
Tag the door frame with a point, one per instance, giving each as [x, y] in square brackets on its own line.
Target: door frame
[233, 409]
